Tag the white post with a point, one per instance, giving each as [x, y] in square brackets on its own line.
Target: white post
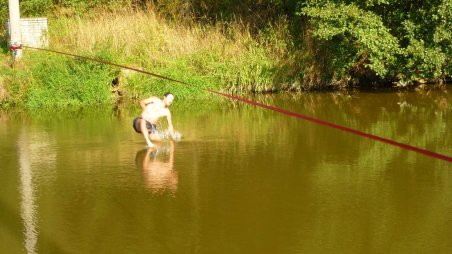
[15, 33]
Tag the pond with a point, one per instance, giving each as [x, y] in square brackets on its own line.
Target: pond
[243, 179]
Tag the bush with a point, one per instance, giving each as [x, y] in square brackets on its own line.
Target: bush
[386, 40]
[67, 82]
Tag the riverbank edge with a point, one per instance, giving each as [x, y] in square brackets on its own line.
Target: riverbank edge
[239, 62]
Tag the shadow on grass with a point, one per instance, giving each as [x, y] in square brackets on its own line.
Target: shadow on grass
[4, 45]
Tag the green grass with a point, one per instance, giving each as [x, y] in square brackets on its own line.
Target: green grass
[60, 81]
[221, 57]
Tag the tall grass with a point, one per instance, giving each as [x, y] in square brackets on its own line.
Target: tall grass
[224, 56]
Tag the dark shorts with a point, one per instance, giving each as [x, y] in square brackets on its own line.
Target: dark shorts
[152, 128]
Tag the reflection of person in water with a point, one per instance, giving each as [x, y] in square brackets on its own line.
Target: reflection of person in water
[157, 166]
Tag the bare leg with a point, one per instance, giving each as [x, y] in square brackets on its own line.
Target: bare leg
[145, 133]
[155, 137]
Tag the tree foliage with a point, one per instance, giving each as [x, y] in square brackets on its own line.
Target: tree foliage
[394, 39]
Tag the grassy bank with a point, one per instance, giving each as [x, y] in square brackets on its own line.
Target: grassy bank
[233, 46]
[224, 56]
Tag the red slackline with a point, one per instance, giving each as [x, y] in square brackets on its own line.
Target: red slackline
[279, 110]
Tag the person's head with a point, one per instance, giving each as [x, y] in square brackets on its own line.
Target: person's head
[168, 99]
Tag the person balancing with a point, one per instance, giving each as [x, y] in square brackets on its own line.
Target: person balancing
[153, 109]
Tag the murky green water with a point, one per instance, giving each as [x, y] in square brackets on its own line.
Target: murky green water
[242, 180]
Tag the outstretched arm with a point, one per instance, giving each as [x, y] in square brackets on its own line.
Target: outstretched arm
[170, 124]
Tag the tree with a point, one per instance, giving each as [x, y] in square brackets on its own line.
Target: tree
[388, 40]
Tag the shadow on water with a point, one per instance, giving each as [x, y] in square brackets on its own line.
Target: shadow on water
[8, 221]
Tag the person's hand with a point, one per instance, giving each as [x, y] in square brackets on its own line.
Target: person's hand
[150, 145]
